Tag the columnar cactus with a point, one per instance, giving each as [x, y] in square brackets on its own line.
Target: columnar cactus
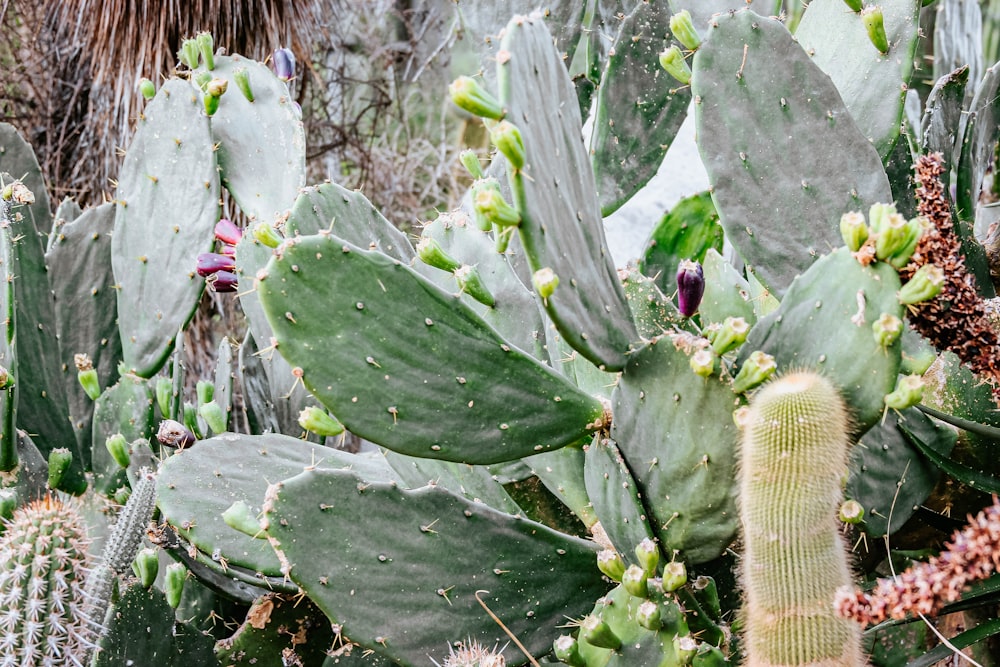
[794, 456]
[43, 563]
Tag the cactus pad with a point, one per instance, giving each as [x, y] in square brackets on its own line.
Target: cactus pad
[409, 366]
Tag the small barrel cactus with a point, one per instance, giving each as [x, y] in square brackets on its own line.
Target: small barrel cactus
[43, 563]
[794, 455]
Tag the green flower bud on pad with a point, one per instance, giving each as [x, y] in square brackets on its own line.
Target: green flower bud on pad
[239, 517]
[431, 253]
[173, 583]
[146, 566]
[316, 420]
[470, 161]
[267, 235]
[491, 204]
[567, 650]
[702, 362]
[118, 448]
[851, 511]
[611, 564]
[214, 416]
[648, 615]
[674, 576]
[597, 633]
[545, 281]
[908, 392]
[507, 138]
[925, 284]
[757, 368]
[878, 214]
[468, 94]
[635, 581]
[683, 29]
[887, 329]
[147, 88]
[206, 45]
[672, 60]
[915, 229]
[871, 17]
[685, 647]
[855, 5]
[648, 555]
[217, 87]
[59, 462]
[471, 283]
[87, 376]
[189, 53]
[242, 79]
[853, 230]
[892, 236]
[164, 388]
[730, 335]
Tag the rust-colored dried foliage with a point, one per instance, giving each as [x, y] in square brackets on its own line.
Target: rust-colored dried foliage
[956, 319]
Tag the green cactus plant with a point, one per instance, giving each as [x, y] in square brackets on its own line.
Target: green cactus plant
[793, 456]
[44, 562]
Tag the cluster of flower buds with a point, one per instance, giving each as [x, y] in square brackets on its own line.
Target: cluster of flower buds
[219, 268]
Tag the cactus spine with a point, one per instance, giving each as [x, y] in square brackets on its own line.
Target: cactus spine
[794, 456]
[43, 561]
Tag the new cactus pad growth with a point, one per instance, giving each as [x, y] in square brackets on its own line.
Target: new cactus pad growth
[794, 454]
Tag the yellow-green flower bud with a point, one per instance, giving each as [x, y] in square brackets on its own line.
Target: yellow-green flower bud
[908, 392]
[242, 78]
[915, 229]
[635, 581]
[730, 335]
[567, 651]
[468, 94]
[491, 204]
[266, 234]
[887, 329]
[871, 17]
[189, 53]
[855, 5]
[431, 253]
[164, 388]
[597, 633]
[545, 281]
[87, 376]
[674, 576]
[206, 45]
[205, 391]
[851, 511]
[147, 88]
[758, 367]
[648, 615]
[59, 462]
[238, 516]
[683, 29]
[173, 583]
[673, 61]
[479, 186]
[507, 138]
[702, 362]
[470, 161]
[878, 214]
[611, 564]
[146, 565]
[117, 446]
[891, 236]
[918, 364]
[853, 230]
[214, 416]
[317, 420]
[470, 282]
[211, 103]
[648, 555]
[925, 284]
[685, 648]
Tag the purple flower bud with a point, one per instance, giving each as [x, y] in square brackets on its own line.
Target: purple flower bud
[284, 64]
[228, 250]
[227, 231]
[690, 287]
[211, 262]
[223, 281]
[174, 434]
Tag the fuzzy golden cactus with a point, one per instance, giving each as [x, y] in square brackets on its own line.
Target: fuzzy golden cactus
[793, 458]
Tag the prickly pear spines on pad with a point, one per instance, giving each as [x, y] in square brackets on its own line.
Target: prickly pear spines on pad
[794, 454]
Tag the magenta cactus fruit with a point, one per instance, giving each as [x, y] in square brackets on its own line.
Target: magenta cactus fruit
[227, 231]
[284, 64]
[211, 262]
[690, 287]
